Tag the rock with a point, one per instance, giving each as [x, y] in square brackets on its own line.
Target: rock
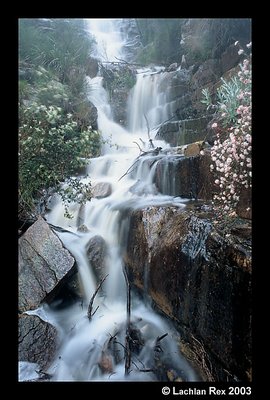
[193, 149]
[200, 279]
[244, 207]
[188, 177]
[91, 67]
[208, 72]
[101, 190]
[119, 105]
[96, 253]
[230, 58]
[106, 363]
[43, 265]
[187, 131]
[37, 340]
[86, 115]
[83, 228]
[172, 67]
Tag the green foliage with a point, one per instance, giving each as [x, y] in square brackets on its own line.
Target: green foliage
[60, 45]
[51, 148]
[206, 98]
[55, 136]
[228, 99]
[160, 39]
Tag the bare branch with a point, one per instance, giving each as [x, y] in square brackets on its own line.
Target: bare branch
[129, 169]
[159, 338]
[89, 311]
[139, 147]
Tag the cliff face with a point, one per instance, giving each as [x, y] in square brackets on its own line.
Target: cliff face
[201, 280]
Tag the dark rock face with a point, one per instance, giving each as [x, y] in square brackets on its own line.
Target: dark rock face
[118, 80]
[201, 280]
[43, 263]
[183, 132]
[208, 72]
[96, 253]
[188, 177]
[230, 58]
[92, 67]
[37, 340]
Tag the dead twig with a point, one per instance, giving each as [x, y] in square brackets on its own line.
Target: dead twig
[157, 347]
[90, 307]
[139, 147]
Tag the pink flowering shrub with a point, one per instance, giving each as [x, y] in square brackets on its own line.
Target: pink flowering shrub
[231, 152]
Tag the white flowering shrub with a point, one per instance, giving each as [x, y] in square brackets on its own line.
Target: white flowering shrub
[231, 152]
[51, 149]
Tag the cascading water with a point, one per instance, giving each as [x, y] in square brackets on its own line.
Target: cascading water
[95, 350]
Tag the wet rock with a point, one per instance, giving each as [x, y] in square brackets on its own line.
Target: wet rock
[230, 58]
[86, 115]
[83, 228]
[178, 133]
[106, 363]
[172, 67]
[43, 265]
[244, 207]
[91, 67]
[96, 253]
[188, 177]
[208, 72]
[37, 340]
[200, 279]
[101, 190]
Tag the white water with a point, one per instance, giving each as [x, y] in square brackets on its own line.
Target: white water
[85, 345]
[149, 100]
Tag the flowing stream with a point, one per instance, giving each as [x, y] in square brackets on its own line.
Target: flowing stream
[95, 350]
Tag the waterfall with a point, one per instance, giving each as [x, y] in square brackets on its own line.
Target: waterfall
[88, 350]
[148, 101]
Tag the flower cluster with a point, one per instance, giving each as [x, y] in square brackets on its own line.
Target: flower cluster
[231, 152]
[51, 148]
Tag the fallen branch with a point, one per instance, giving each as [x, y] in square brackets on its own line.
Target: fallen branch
[159, 338]
[128, 170]
[90, 307]
[157, 347]
[139, 147]
[154, 152]
[60, 229]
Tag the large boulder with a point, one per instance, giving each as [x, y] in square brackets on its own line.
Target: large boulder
[198, 277]
[96, 250]
[43, 265]
[37, 340]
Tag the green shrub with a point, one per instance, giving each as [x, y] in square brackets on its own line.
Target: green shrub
[51, 148]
